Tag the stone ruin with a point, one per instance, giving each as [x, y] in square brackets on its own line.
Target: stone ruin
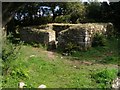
[36, 35]
[79, 34]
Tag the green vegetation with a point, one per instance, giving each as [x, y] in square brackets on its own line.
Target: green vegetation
[107, 54]
[68, 12]
[99, 40]
[104, 77]
[35, 66]
[10, 52]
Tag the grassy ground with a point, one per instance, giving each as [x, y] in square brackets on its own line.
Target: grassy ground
[35, 66]
[104, 55]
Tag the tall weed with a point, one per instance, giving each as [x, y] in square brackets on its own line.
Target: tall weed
[10, 53]
[104, 77]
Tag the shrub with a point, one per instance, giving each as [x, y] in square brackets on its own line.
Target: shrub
[110, 59]
[10, 53]
[119, 72]
[105, 77]
[99, 40]
[19, 72]
[62, 19]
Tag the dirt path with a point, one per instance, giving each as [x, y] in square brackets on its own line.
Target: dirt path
[50, 54]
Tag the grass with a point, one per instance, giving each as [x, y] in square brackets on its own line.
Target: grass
[36, 66]
[105, 55]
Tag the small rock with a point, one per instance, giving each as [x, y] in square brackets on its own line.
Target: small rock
[32, 55]
[61, 57]
[42, 86]
[21, 84]
[75, 66]
[65, 54]
[116, 84]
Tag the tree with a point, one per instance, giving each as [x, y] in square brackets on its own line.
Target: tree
[115, 14]
[8, 11]
[93, 11]
[76, 10]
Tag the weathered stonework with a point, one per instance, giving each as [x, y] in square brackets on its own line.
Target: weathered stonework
[80, 36]
[67, 35]
[31, 34]
[74, 38]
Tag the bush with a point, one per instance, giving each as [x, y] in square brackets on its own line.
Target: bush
[110, 59]
[37, 21]
[74, 17]
[10, 53]
[119, 72]
[62, 19]
[105, 77]
[99, 40]
[19, 72]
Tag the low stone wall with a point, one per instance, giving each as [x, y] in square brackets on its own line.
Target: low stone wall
[32, 34]
[74, 38]
[80, 36]
[68, 35]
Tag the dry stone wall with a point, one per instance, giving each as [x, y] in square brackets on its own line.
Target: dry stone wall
[80, 36]
[67, 35]
[32, 34]
[74, 38]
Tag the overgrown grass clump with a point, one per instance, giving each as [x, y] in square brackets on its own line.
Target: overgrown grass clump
[108, 54]
[99, 40]
[105, 77]
[10, 53]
